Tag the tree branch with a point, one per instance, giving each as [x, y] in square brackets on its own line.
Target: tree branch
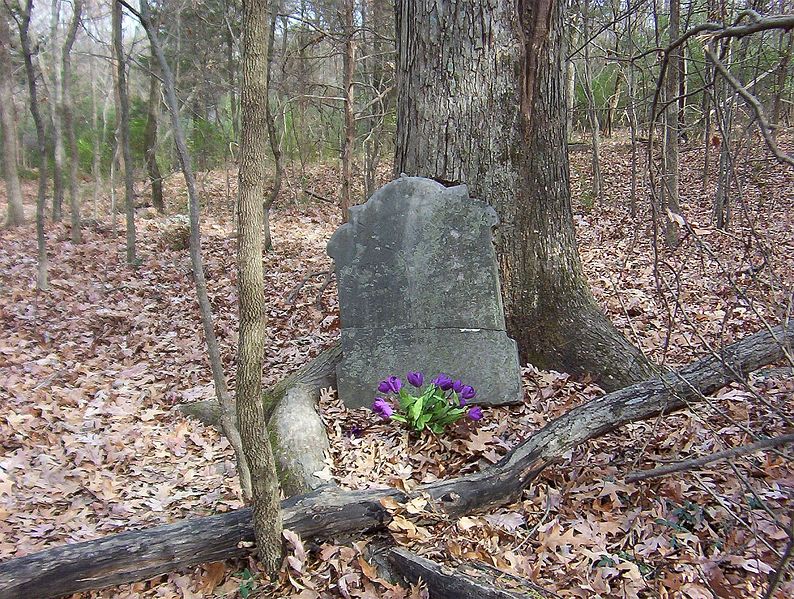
[708, 459]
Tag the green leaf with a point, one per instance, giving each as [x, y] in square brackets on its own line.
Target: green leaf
[422, 421]
[416, 409]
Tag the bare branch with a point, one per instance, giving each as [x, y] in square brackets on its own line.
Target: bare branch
[708, 459]
[753, 102]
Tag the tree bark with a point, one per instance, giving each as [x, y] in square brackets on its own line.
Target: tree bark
[23, 22]
[16, 213]
[348, 70]
[228, 417]
[253, 320]
[785, 50]
[68, 120]
[444, 582]
[124, 132]
[592, 114]
[150, 137]
[275, 146]
[55, 105]
[515, 159]
[669, 189]
[328, 512]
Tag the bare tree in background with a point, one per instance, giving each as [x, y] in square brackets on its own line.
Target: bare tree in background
[23, 22]
[668, 191]
[55, 103]
[16, 213]
[150, 136]
[124, 131]
[67, 109]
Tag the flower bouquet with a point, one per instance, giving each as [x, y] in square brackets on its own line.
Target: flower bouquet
[439, 404]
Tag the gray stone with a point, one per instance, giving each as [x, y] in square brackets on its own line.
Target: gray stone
[419, 290]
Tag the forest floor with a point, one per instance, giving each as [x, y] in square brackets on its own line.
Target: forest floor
[90, 372]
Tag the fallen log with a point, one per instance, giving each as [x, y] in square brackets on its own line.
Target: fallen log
[327, 512]
[447, 583]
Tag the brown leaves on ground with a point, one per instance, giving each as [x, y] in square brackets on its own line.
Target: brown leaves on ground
[89, 373]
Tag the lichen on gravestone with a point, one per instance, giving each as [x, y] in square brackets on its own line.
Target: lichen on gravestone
[419, 290]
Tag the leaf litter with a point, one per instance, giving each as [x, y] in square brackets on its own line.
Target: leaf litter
[90, 372]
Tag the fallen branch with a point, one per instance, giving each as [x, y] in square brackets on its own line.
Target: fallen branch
[708, 459]
[317, 196]
[296, 290]
[447, 583]
[328, 512]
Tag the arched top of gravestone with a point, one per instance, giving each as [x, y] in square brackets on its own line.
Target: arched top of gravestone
[418, 255]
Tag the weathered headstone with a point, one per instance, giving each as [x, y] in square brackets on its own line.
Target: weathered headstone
[419, 290]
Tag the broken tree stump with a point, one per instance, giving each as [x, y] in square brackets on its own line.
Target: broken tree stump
[329, 511]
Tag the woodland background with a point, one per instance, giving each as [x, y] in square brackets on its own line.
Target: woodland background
[91, 369]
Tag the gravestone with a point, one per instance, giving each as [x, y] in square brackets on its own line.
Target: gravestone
[419, 290]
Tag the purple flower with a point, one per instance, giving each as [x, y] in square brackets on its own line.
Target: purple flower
[382, 408]
[443, 382]
[417, 379]
[390, 385]
[395, 384]
[467, 392]
[475, 413]
[457, 386]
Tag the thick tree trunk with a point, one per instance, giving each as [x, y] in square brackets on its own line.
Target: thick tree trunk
[42, 276]
[124, 131]
[68, 121]
[329, 511]
[515, 159]
[55, 105]
[253, 320]
[150, 138]
[16, 213]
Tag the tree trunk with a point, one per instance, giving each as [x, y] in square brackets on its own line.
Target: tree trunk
[348, 70]
[780, 79]
[669, 189]
[68, 121]
[42, 283]
[124, 132]
[56, 114]
[515, 159]
[592, 115]
[272, 134]
[328, 512]
[16, 213]
[253, 320]
[228, 416]
[150, 138]
[99, 135]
